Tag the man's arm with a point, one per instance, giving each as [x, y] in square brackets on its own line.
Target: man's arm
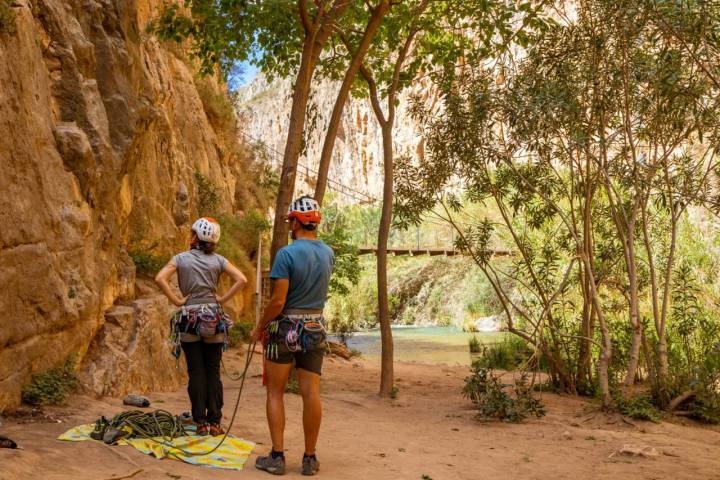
[274, 307]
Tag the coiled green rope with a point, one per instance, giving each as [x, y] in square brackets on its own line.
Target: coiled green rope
[153, 424]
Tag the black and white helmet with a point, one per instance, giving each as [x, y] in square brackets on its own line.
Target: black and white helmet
[207, 229]
[305, 209]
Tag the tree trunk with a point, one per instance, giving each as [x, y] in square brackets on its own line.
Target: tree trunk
[634, 356]
[317, 33]
[663, 364]
[357, 60]
[301, 92]
[386, 372]
[606, 350]
[386, 125]
[584, 376]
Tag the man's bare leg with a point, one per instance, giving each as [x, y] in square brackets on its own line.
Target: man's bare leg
[312, 409]
[277, 376]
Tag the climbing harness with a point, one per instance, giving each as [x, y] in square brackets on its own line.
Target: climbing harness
[203, 320]
[294, 333]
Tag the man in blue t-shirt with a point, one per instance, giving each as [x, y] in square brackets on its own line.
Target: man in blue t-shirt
[293, 331]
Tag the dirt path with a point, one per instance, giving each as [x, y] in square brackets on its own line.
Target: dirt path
[428, 430]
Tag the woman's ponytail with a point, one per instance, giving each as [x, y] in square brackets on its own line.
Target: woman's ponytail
[206, 247]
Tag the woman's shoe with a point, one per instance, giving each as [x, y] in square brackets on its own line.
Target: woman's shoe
[215, 429]
[203, 430]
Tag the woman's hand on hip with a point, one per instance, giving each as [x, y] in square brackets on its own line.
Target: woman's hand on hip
[180, 301]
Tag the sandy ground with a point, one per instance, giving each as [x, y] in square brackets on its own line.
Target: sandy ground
[427, 432]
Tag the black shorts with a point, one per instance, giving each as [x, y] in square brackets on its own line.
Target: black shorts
[311, 360]
[311, 346]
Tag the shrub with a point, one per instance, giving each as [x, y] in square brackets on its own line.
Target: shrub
[208, 195]
[52, 386]
[239, 333]
[218, 107]
[292, 385]
[394, 393]
[509, 354]
[639, 407]
[146, 263]
[242, 233]
[344, 331]
[706, 406]
[488, 394]
[7, 17]
[474, 344]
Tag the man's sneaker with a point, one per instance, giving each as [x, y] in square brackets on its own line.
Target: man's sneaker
[310, 465]
[276, 466]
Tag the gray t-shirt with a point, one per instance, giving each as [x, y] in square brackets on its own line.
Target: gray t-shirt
[198, 274]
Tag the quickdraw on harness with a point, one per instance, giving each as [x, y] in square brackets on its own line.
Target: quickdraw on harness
[298, 337]
[204, 320]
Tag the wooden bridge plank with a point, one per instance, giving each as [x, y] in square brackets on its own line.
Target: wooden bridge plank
[424, 251]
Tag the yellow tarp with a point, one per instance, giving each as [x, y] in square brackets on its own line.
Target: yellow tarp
[232, 454]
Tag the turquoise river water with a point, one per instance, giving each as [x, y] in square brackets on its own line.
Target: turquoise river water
[432, 345]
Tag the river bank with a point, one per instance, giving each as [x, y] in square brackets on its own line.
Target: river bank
[427, 345]
[428, 429]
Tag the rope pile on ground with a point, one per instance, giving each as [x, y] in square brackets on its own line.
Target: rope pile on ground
[135, 423]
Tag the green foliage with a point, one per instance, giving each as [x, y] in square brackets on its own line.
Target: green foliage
[240, 333]
[292, 385]
[208, 195]
[488, 394]
[474, 344]
[334, 232]
[640, 407]
[394, 392]
[268, 35]
[240, 235]
[147, 263]
[510, 353]
[52, 386]
[218, 108]
[7, 18]
[219, 32]
[706, 404]
[554, 153]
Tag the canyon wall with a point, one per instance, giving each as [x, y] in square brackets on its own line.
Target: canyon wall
[357, 162]
[103, 131]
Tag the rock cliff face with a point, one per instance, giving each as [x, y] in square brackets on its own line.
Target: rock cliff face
[357, 158]
[102, 129]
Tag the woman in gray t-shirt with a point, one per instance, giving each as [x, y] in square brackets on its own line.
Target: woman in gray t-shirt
[198, 271]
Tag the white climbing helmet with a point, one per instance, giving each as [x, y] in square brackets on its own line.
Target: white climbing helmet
[207, 229]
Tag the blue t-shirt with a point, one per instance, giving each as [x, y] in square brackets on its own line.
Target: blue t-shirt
[307, 264]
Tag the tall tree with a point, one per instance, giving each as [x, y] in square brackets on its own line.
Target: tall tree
[357, 55]
[591, 149]
[282, 37]
[318, 25]
[419, 37]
